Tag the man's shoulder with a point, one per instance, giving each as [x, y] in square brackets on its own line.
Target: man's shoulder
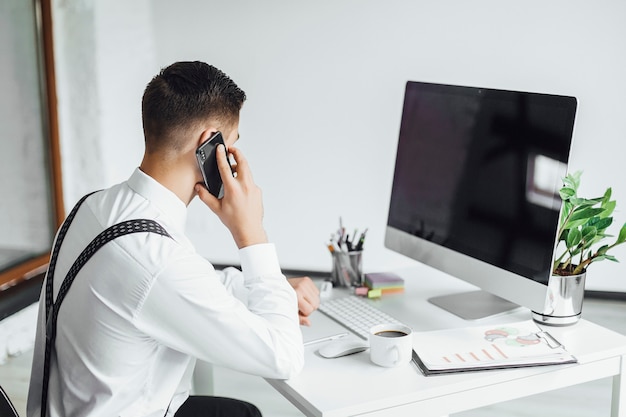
[116, 201]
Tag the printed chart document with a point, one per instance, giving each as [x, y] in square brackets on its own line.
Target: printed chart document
[477, 348]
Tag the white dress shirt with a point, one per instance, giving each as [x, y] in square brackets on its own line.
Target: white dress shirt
[145, 306]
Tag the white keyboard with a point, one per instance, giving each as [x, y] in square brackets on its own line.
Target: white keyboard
[355, 314]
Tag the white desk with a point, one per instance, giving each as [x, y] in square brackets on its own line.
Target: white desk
[352, 385]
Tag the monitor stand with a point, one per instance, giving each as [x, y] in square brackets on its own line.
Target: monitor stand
[473, 305]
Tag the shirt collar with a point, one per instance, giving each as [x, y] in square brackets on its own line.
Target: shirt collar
[165, 200]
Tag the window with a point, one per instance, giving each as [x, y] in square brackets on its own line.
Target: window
[31, 205]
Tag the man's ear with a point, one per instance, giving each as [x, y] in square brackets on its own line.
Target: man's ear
[205, 135]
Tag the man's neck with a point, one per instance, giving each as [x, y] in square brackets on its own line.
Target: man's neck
[175, 177]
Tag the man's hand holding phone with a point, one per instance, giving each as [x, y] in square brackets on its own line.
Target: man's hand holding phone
[241, 208]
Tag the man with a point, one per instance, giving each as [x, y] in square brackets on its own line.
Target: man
[145, 306]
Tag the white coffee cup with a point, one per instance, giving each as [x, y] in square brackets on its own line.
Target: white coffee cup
[391, 344]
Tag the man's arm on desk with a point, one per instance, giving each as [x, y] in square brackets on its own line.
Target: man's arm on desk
[306, 290]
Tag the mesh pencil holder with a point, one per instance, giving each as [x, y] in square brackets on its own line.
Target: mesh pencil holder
[347, 270]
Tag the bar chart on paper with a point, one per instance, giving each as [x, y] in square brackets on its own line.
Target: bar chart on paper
[488, 347]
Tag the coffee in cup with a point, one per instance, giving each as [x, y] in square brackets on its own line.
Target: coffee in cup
[390, 333]
[391, 344]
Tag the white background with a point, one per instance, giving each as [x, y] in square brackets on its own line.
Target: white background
[325, 83]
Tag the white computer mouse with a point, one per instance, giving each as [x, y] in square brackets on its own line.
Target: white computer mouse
[343, 347]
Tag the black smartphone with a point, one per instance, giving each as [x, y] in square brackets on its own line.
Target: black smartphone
[207, 161]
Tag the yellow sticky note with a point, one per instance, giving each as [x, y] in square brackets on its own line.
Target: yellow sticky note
[374, 293]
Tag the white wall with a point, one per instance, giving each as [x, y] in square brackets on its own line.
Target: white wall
[104, 59]
[325, 82]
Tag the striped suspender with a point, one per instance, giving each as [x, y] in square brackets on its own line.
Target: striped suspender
[52, 308]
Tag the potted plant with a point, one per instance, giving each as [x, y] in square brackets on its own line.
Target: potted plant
[582, 240]
[582, 229]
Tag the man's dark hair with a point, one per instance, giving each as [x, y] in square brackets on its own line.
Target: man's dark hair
[182, 95]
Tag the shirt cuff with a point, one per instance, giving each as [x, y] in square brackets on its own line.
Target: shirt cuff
[259, 260]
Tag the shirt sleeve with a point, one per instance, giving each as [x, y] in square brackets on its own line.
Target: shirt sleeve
[204, 319]
[233, 280]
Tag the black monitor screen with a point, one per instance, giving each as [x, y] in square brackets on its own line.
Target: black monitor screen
[478, 171]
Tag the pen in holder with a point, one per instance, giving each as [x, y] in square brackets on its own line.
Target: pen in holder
[347, 255]
[347, 269]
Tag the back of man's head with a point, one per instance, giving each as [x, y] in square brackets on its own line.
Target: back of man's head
[183, 95]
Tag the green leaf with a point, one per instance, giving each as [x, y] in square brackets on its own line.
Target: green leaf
[576, 201]
[607, 257]
[588, 233]
[576, 223]
[566, 193]
[622, 235]
[602, 250]
[608, 207]
[573, 238]
[586, 213]
[568, 182]
[581, 203]
[572, 180]
[600, 223]
[566, 208]
[607, 196]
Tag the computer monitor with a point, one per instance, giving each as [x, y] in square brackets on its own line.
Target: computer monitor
[475, 190]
